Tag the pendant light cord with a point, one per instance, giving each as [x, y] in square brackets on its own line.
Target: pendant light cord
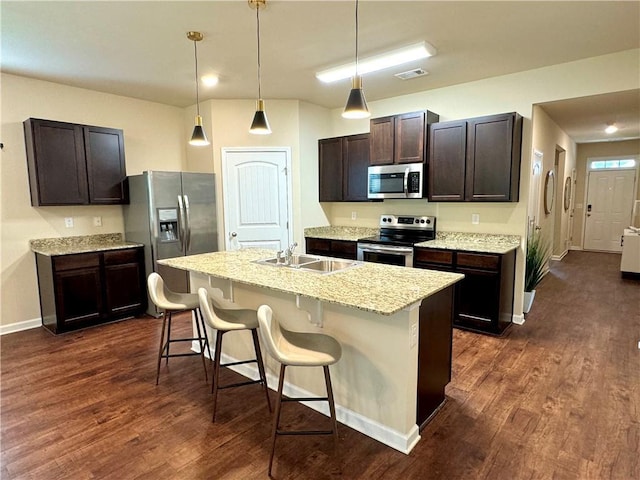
[356, 38]
[258, 32]
[195, 52]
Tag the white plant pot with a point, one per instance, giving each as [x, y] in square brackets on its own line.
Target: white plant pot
[528, 301]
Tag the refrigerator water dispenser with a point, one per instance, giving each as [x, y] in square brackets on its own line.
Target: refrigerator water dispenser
[168, 222]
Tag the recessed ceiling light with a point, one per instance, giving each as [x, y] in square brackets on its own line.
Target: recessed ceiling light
[209, 80]
[378, 62]
[611, 128]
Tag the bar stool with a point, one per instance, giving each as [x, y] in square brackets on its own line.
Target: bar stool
[225, 316]
[304, 350]
[171, 302]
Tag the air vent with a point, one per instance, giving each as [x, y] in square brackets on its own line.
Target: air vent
[416, 72]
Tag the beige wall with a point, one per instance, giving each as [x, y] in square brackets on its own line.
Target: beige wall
[153, 139]
[592, 150]
[547, 137]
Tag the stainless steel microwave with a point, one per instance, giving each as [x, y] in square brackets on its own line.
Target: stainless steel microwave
[395, 181]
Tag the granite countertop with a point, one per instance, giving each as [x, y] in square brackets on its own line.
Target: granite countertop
[80, 244]
[373, 287]
[473, 242]
[351, 234]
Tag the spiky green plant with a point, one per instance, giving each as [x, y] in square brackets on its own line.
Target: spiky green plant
[538, 252]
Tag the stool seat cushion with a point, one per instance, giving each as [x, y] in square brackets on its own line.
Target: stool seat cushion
[166, 299]
[222, 314]
[296, 348]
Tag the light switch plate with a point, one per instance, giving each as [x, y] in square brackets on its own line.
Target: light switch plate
[354, 215]
[97, 221]
[68, 222]
[475, 218]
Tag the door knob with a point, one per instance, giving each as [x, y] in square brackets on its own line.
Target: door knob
[234, 234]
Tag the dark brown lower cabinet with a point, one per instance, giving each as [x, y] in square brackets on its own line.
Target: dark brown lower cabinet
[85, 289]
[331, 248]
[484, 298]
[434, 352]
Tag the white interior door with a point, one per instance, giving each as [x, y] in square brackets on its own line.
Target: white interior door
[257, 197]
[535, 191]
[610, 196]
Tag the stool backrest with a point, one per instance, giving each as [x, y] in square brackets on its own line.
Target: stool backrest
[270, 332]
[156, 287]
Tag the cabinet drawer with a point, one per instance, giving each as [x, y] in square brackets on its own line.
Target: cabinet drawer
[117, 257]
[318, 245]
[344, 247]
[444, 257]
[478, 260]
[81, 260]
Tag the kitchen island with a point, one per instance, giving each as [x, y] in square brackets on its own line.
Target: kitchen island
[394, 325]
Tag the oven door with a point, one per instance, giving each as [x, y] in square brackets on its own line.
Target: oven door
[387, 254]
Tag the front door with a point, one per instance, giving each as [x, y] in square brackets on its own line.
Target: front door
[257, 197]
[609, 202]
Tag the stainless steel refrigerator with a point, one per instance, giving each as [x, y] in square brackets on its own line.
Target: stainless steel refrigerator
[172, 214]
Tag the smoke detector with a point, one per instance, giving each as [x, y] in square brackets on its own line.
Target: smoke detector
[416, 72]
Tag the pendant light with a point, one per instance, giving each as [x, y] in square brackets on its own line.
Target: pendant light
[260, 124]
[198, 138]
[356, 104]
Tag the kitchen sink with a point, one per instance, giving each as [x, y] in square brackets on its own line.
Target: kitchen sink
[296, 260]
[311, 263]
[327, 265]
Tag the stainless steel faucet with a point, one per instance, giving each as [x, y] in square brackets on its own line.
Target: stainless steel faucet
[288, 253]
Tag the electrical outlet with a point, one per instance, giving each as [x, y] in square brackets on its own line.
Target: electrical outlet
[68, 222]
[354, 215]
[97, 221]
[414, 335]
[475, 218]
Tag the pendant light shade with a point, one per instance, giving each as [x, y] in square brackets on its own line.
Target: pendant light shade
[356, 106]
[260, 124]
[356, 103]
[198, 137]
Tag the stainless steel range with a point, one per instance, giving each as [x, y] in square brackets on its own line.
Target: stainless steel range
[398, 234]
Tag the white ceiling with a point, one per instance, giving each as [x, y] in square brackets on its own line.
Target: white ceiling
[140, 49]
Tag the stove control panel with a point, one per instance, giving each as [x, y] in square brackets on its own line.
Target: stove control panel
[407, 222]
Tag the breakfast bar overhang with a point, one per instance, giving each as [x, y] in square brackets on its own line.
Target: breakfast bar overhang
[394, 325]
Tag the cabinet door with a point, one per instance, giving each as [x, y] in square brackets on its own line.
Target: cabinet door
[355, 163]
[493, 158]
[56, 162]
[447, 159]
[318, 246]
[344, 249]
[104, 149]
[124, 282]
[78, 297]
[381, 140]
[478, 299]
[330, 169]
[409, 138]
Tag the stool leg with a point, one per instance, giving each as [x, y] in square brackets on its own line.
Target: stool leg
[263, 376]
[168, 337]
[164, 324]
[215, 382]
[200, 337]
[332, 406]
[276, 420]
[204, 331]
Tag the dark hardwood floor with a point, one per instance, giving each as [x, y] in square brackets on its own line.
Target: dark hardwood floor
[558, 397]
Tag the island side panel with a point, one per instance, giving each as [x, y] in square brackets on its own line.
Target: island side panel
[435, 352]
[374, 382]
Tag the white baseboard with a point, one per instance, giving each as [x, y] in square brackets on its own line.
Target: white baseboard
[575, 248]
[20, 326]
[518, 319]
[559, 257]
[394, 439]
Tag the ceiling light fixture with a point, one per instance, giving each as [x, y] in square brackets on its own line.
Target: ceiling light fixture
[377, 62]
[198, 138]
[356, 106]
[611, 128]
[260, 124]
[209, 80]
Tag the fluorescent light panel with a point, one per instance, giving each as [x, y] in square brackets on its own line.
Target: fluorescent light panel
[378, 62]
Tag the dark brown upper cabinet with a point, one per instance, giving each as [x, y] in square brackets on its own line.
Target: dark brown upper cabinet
[72, 164]
[477, 159]
[343, 163]
[399, 138]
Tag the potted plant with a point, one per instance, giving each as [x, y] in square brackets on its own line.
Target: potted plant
[535, 266]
